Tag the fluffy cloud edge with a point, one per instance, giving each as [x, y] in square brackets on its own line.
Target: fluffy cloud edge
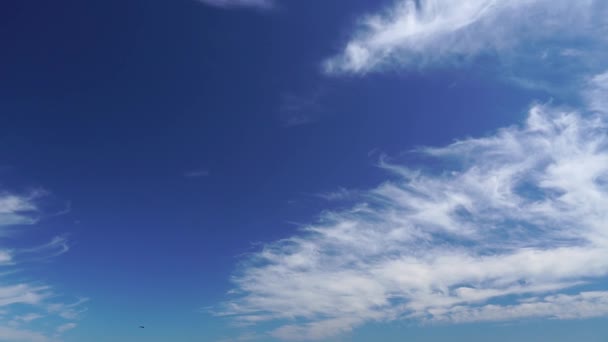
[517, 214]
[418, 34]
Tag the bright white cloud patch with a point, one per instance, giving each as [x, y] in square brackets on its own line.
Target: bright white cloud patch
[520, 214]
[239, 3]
[15, 210]
[417, 33]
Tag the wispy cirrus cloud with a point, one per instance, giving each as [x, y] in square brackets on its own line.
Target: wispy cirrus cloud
[197, 173]
[66, 327]
[596, 93]
[17, 335]
[520, 214]
[301, 109]
[23, 303]
[588, 305]
[17, 209]
[420, 33]
[340, 194]
[262, 4]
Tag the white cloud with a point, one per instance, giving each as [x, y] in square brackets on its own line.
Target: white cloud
[71, 311]
[16, 294]
[54, 248]
[242, 338]
[17, 209]
[596, 96]
[417, 33]
[6, 257]
[264, 4]
[579, 306]
[519, 213]
[341, 194]
[18, 335]
[28, 317]
[22, 294]
[66, 327]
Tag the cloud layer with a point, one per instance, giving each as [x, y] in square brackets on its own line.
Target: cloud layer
[24, 303]
[418, 33]
[518, 215]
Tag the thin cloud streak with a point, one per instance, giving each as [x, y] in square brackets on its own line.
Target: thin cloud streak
[35, 301]
[417, 34]
[521, 212]
[57, 246]
[586, 304]
[18, 335]
[197, 173]
[297, 110]
[66, 327]
[17, 210]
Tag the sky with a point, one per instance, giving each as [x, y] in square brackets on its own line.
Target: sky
[280, 170]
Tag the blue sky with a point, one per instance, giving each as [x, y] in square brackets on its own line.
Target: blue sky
[258, 170]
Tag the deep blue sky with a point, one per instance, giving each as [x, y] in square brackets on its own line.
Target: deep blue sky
[114, 106]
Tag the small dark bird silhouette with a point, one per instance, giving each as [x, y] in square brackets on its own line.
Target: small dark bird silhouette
[141, 326]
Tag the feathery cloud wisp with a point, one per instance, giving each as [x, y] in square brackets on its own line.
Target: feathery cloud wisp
[520, 213]
[66, 327]
[297, 110]
[17, 209]
[198, 173]
[17, 335]
[34, 301]
[418, 33]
